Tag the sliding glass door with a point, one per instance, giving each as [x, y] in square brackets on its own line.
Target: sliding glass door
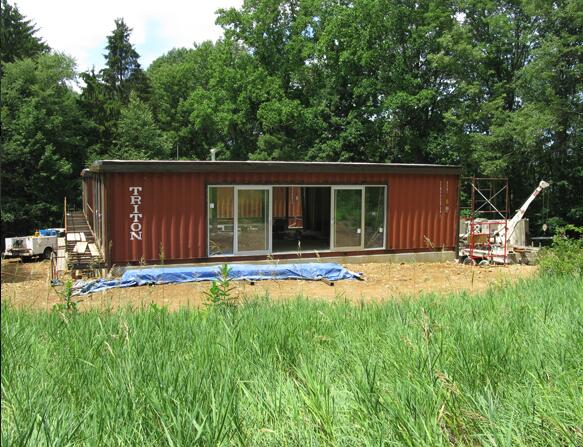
[347, 218]
[221, 221]
[247, 220]
[358, 217]
[374, 217]
[253, 220]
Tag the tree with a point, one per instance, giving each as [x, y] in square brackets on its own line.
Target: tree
[43, 150]
[482, 57]
[107, 92]
[514, 69]
[207, 97]
[548, 126]
[354, 81]
[18, 36]
[284, 107]
[137, 137]
[122, 72]
[493, 85]
[100, 113]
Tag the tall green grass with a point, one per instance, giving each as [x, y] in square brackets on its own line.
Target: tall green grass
[501, 368]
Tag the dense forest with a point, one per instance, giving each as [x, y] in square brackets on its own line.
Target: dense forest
[492, 85]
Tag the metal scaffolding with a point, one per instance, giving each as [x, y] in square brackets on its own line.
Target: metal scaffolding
[485, 205]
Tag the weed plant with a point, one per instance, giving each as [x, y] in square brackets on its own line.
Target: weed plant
[565, 257]
[68, 304]
[219, 295]
[501, 368]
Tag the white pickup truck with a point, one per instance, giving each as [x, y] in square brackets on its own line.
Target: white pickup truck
[42, 244]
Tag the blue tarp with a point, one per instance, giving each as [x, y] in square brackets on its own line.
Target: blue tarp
[254, 272]
[49, 232]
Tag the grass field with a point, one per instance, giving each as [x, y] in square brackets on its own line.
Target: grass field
[501, 368]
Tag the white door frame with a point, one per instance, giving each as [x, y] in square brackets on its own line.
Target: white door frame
[333, 218]
[238, 188]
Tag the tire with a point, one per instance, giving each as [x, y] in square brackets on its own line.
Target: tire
[47, 253]
[469, 261]
[484, 263]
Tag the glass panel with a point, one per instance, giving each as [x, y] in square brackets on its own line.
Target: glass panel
[300, 219]
[374, 216]
[221, 220]
[348, 215]
[253, 219]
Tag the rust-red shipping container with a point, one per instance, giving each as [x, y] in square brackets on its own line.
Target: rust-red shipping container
[189, 211]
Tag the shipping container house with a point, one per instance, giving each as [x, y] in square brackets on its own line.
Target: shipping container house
[201, 211]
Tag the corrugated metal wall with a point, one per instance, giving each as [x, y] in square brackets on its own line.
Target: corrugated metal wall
[171, 212]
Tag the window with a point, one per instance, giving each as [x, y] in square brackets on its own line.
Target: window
[221, 221]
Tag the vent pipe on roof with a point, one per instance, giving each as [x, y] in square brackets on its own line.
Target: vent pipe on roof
[213, 153]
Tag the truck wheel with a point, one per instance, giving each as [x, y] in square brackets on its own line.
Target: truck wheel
[469, 261]
[47, 253]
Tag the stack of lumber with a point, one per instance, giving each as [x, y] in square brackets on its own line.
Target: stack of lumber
[82, 251]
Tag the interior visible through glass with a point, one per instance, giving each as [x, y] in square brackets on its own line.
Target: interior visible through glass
[221, 220]
[374, 216]
[348, 217]
[252, 220]
[301, 218]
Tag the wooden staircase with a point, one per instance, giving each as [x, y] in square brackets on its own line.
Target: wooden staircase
[82, 251]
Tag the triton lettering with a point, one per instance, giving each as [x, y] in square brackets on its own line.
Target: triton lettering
[135, 215]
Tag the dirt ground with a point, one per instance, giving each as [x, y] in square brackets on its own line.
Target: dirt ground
[27, 285]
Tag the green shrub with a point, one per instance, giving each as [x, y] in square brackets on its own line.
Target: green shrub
[565, 256]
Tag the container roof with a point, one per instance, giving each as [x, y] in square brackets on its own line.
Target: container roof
[268, 166]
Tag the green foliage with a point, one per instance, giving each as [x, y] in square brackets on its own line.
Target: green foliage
[122, 72]
[207, 97]
[493, 86]
[137, 136]
[114, 104]
[43, 148]
[565, 257]
[503, 368]
[516, 67]
[17, 36]
[69, 304]
[219, 293]
[100, 114]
